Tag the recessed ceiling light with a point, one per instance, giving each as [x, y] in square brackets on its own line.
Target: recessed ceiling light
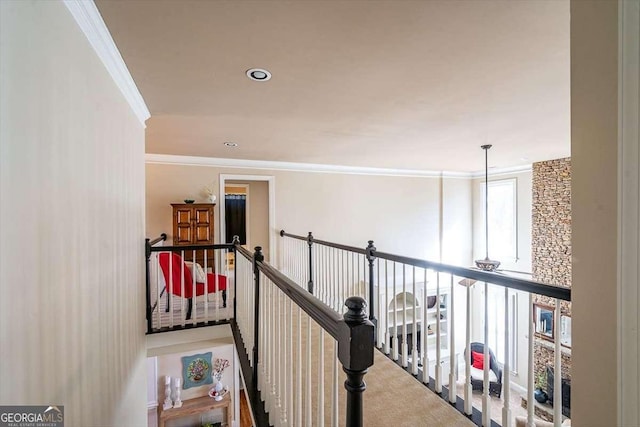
[231, 144]
[258, 74]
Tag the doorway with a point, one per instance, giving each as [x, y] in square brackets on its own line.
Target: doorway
[259, 210]
[236, 198]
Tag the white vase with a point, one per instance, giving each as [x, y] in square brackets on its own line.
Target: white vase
[177, 403]
[167, 392]
[218, 387]
[212, 198]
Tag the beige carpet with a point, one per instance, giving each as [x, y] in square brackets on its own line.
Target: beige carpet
[395, 398]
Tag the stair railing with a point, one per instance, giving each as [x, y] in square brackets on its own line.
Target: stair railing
[206, 286]
[285, 330]
[412, 303]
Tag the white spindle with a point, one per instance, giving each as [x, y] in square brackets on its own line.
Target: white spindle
[158, 290]
[308, 418]
[414, 328]
[557, 369]
[299, 372]
[453, 362]
[334, 387]
[182, 284]
[438, 365]
[387, 336]
[290, 416]
[279, 353]
[394, 332]
[379, 312]
[424, 331]
[321, 379]
[206, 287]
[467, 357]
[530, 402]
[506, 373]
[486, 411]
[170, 287]
[336, 296]
[405, 347]
[354, 280]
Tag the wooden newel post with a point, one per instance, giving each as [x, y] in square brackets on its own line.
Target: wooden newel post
[310, 243]
[147, 255]
[355, 351]
[257, 257]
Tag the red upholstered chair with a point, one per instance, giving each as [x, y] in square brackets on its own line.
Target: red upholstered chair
[173, 281]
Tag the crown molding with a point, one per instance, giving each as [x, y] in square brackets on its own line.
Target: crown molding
[173, 159]
[90, 21]
[503, 171]
[289, 166]
[285, 166]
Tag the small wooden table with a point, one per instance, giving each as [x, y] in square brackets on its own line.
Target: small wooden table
[196, 406]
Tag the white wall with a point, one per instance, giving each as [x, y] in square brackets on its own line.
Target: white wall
[71, 225]
[170, 364]
[594, 208]
[400, 213]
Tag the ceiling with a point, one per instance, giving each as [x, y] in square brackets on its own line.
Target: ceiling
[388, 84]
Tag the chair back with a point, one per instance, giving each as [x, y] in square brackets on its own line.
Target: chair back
[478, 347]
[173, 274]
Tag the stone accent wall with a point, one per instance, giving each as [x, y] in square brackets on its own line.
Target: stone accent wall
[551, 244]
[551, 222]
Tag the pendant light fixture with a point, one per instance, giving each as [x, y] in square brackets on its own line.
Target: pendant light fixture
[486, 264]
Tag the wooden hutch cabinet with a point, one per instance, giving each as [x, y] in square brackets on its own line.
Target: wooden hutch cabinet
[193, 224]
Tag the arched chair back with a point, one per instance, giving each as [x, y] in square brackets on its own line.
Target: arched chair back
[179, 281]
[477, 381]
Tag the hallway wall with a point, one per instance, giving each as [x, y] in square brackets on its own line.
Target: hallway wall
[71, 225]
[400, 213]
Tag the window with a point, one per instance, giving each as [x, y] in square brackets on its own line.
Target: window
[503, 236]
[497, 325]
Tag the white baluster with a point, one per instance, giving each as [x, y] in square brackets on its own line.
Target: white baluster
[278, 352]
[381, 336]
[299, 372]
[182, 284]
[206, 286]
[557, 369]
[438, 365]
[414, 330]
[486, 408]
[321, 380]
[308, 418]
[405, 347]
[453, 362]
[530, 402]
[334, 388]
[506, 373]
[290, 389]
[424, 332]
[387, 336]
[394, 332]
[467, 358]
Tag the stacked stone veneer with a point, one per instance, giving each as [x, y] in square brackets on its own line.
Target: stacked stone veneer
[551, 245]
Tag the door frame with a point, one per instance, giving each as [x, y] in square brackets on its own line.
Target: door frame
[271, 183]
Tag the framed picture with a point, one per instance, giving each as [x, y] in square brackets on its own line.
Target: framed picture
[544, 318]
[196, 370]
